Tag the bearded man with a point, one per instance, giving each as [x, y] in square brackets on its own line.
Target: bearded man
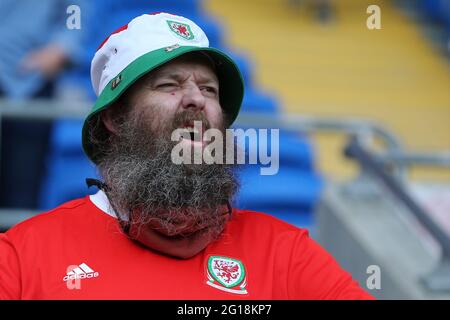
[159, 229]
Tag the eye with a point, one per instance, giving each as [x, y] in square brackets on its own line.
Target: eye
[166, 85]
[209, 90]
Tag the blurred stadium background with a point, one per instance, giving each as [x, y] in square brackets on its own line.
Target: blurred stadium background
[363, 115]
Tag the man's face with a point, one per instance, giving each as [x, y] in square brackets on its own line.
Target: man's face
[176, 94]
[177, 208]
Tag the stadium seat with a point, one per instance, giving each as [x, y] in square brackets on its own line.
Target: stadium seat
[295, 150]
[293, 191]
[67, 166]
[292, 199]
[66, 181]
[258, 101]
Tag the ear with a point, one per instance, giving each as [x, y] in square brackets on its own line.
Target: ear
[109, 121]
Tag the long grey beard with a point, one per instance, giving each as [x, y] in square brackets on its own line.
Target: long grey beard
[142, 179]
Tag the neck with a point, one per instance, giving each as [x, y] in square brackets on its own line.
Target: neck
[183, 241]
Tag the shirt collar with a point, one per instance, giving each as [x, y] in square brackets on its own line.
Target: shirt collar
[100, 200]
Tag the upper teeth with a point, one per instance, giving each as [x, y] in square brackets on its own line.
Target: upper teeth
[192, 130]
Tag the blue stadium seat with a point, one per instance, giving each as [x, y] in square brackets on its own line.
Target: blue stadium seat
[67, 166]
[295, 150]
[211, 28]
[66, 181]
[289, 195]
[431, 7]
[437, 10]
[66, 137]
[257, 101]
[187, 8]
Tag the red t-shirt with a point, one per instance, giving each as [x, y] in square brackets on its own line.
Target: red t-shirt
[77, 251]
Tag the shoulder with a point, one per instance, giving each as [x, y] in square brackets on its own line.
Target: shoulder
[51, 221]
[261, 220]
[248, 224]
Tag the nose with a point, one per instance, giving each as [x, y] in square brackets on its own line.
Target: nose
[193, 98]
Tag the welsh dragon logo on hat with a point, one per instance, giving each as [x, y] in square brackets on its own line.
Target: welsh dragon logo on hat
[181, 29]
[226, 274]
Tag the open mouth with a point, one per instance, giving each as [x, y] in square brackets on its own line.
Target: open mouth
[195, 132]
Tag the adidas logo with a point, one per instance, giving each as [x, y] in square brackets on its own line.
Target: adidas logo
[81, 272]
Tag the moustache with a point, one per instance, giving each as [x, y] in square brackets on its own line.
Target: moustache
[185, 119]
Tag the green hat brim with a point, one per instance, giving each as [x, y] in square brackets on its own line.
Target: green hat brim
[230, 82]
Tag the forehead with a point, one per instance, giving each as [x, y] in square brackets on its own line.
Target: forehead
[202, 65]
